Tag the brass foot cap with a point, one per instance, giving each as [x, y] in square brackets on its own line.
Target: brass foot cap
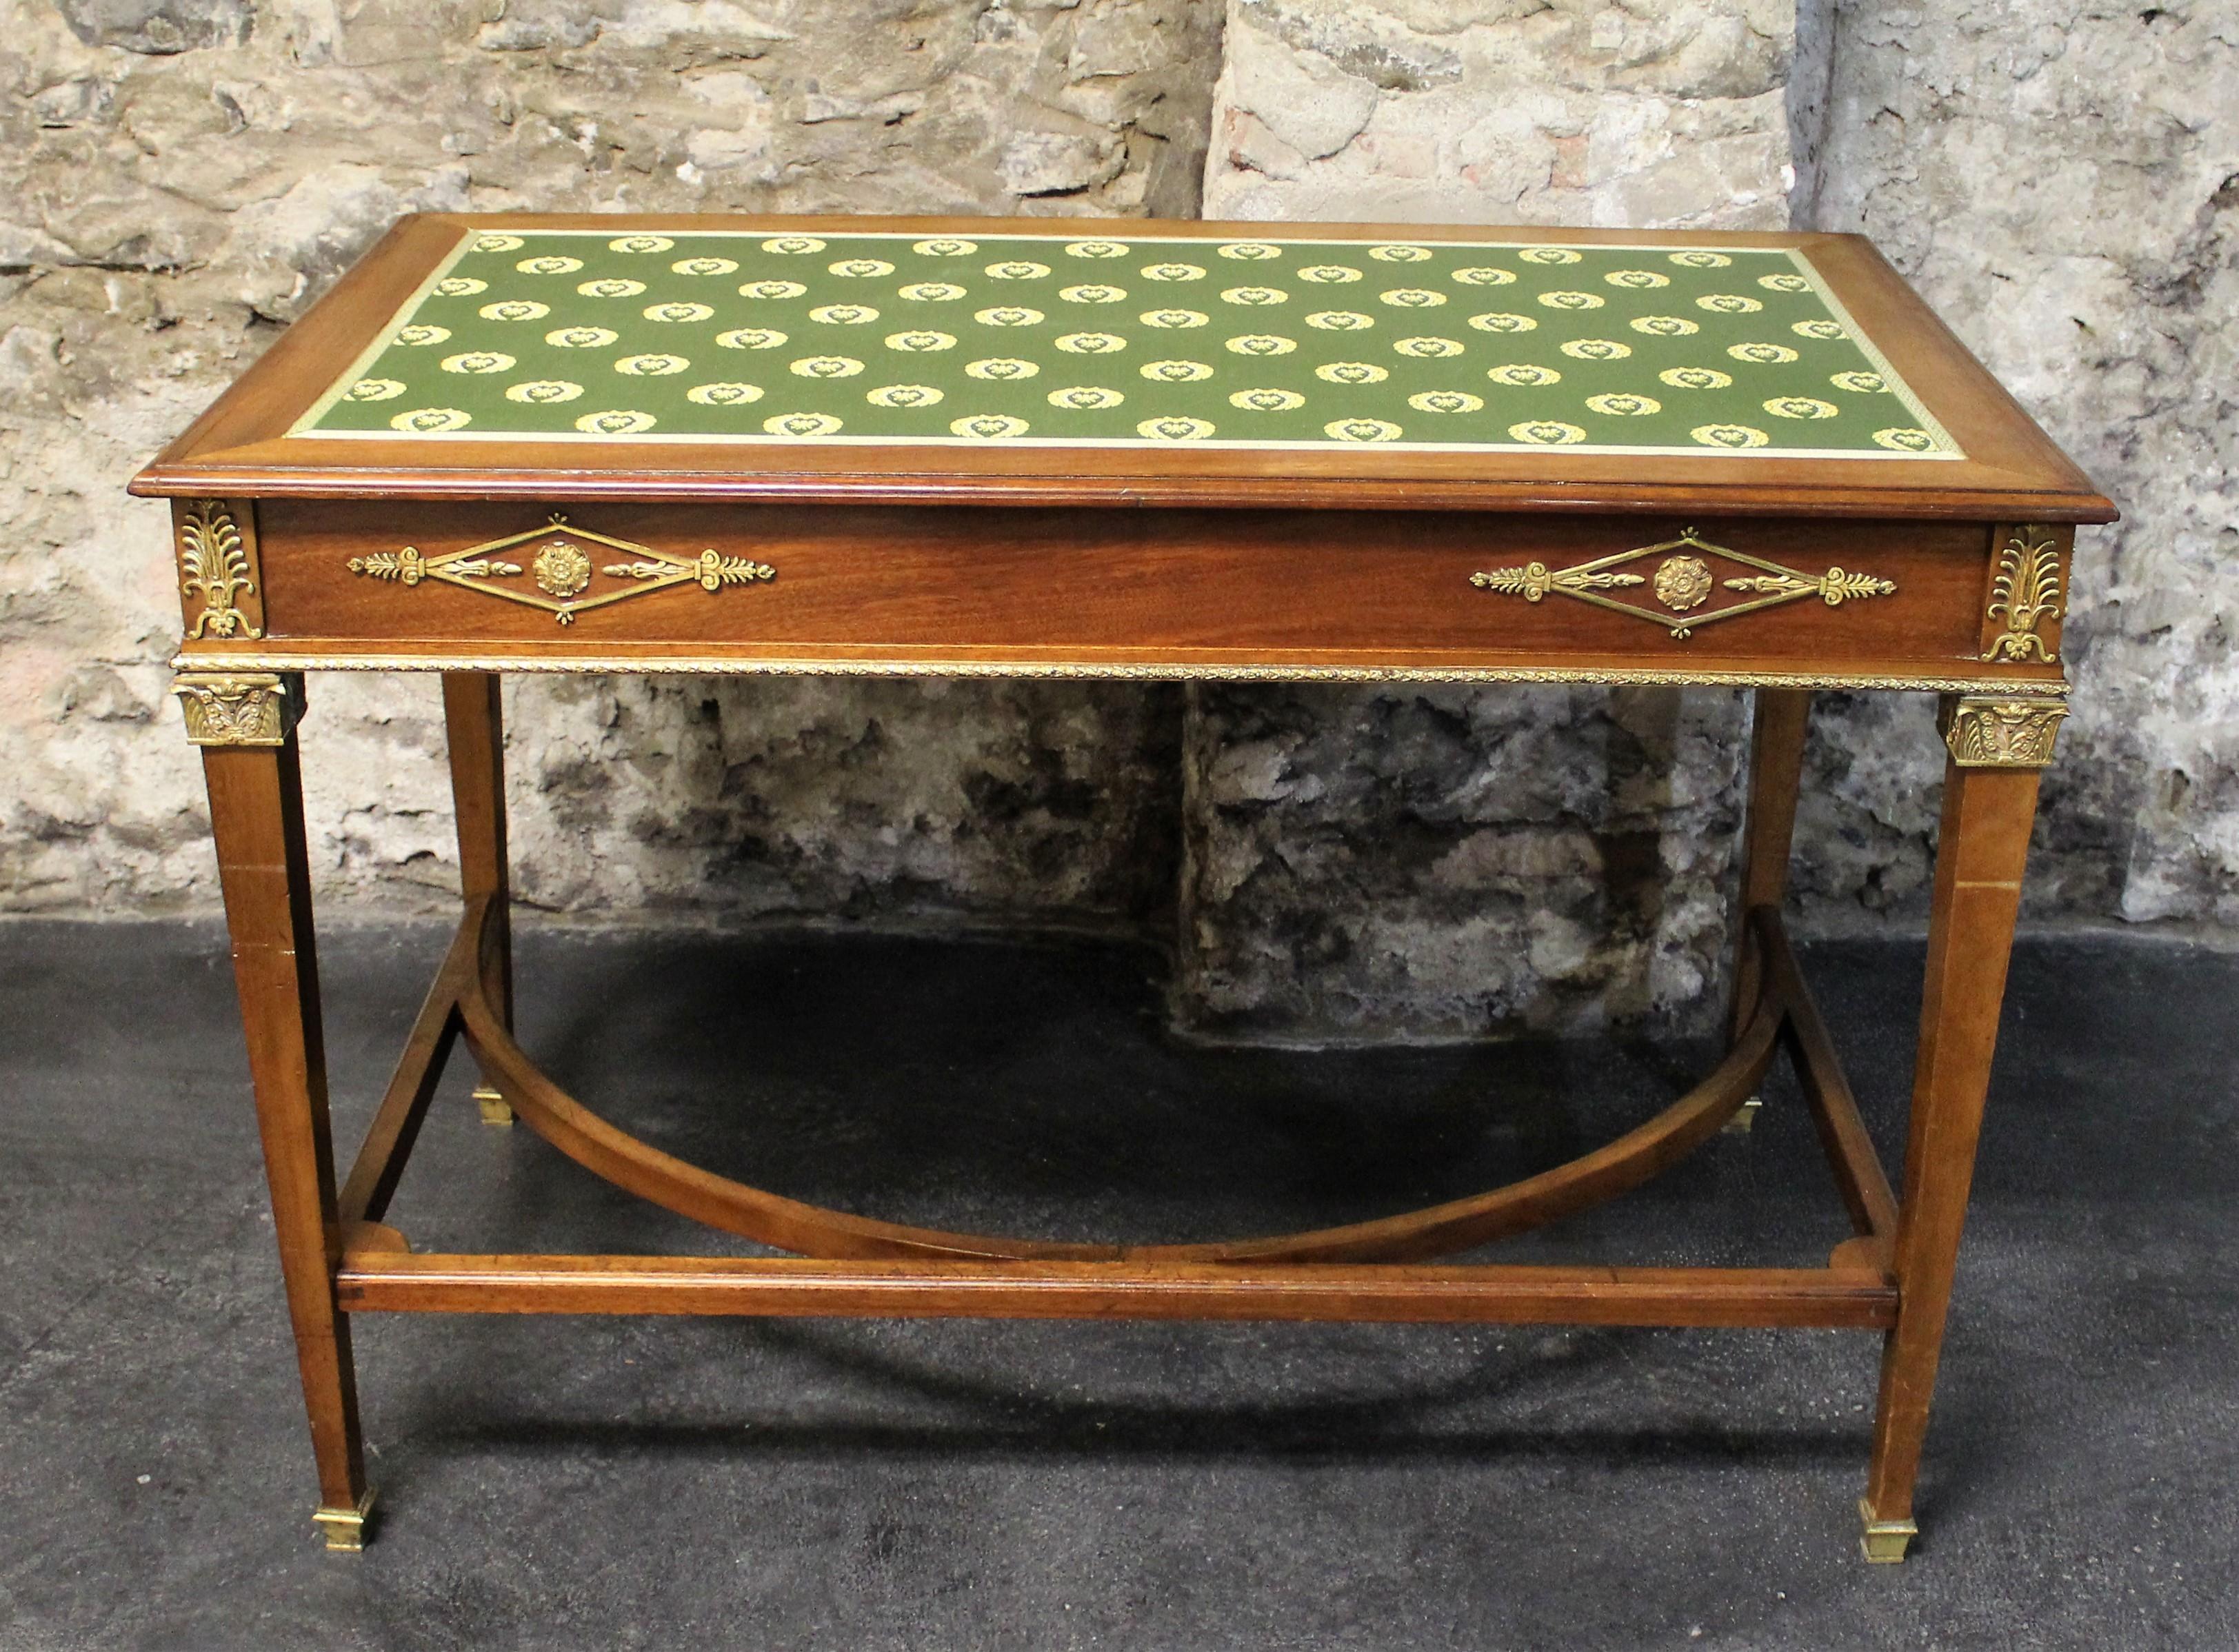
[345, 1527]
[1744, 1116]
[494, 1109]
[1883, 1542]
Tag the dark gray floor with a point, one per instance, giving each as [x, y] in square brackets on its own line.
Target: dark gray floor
[565, 1483]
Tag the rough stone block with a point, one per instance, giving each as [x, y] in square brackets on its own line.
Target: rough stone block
[158, 28]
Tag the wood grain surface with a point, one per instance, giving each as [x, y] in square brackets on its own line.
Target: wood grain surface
[1187, 593]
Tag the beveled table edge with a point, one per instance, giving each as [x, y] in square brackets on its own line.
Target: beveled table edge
[934, 488]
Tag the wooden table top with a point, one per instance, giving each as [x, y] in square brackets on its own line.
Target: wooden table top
[882, 361]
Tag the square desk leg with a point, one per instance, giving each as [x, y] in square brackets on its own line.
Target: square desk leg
[474, 720]
[1997, 749]
[246, 727]
[1782, 720]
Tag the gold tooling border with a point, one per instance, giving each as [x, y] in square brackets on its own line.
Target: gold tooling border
[721, 666]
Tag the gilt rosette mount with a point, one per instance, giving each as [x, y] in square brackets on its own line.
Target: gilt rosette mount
[562, 570]
[1682, 582]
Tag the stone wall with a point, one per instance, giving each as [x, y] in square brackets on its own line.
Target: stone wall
[2063, 184]
[180, 177]
[1504, 111]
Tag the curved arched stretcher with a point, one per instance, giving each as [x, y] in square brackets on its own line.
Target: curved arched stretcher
[807, 1230]
[853, 1265]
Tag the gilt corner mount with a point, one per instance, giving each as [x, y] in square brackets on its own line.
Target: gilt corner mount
[2025, 594]
[217, 568]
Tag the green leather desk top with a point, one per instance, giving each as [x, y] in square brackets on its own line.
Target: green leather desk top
[614, 335]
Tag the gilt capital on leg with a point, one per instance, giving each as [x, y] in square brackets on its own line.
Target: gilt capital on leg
[2016, 732]
[240, 709]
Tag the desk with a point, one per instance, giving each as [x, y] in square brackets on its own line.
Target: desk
[1150, 450]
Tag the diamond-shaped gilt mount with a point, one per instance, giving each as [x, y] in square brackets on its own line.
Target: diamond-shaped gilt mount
[558, 573]
[1682, 582]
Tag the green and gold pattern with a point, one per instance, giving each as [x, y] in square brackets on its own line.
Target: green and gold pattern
[738, 336]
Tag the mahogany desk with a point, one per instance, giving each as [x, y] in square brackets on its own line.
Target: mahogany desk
[1125, 449]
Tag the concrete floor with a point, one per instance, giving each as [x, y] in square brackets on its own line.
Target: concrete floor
[571, 1483]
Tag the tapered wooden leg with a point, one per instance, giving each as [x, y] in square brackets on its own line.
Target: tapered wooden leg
[473, 717]
[1990, 802]
[1783, 718]
[245, 727]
